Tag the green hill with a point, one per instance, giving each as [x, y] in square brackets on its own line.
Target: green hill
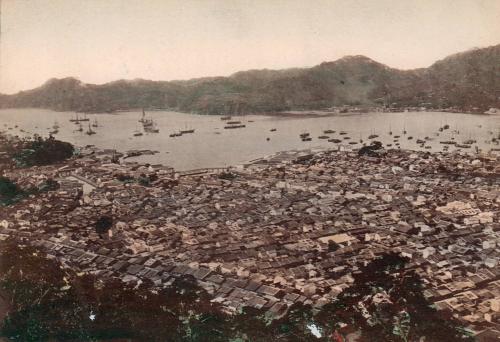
[469, 81]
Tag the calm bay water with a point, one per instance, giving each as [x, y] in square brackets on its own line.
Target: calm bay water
[211, 145]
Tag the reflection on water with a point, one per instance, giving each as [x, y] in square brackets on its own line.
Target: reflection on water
[211, 145]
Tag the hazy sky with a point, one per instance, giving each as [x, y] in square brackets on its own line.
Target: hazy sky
[103, 40]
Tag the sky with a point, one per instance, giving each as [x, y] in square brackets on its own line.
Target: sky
[98, 41]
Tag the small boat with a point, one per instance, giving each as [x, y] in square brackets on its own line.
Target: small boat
[448, 142]
[234, 126]
[428, 147]
[307, 139]
[347, 138]
[90, 131]
[410, 137]
[304, 135]
[225, 118]
[420, 141]
[397, 136]
[463, 146]
[343, 133]
[328, 131]
[55, 131]
[273, 130]
[353, 142]
[335, 141]
[446, 126]
[173, 135]
[187, 131]
[372, 136]
[95, 124]
[234, 122]
[323, 137]
[137, 134]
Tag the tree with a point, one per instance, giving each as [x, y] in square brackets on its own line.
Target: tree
[103, 224]
[40, 151]
[386, 303]
[332, 246]
[9, 191]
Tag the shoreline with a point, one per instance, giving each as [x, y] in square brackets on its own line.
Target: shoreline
[313, 113]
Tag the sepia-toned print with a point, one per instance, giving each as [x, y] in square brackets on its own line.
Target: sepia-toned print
[250, 170]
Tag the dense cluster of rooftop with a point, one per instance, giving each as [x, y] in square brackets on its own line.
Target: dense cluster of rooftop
[288, 228]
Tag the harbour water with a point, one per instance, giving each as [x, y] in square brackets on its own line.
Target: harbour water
[213, 146]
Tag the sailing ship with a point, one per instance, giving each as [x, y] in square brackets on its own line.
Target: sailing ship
[90, 131]
[148, 124]
[95, 124]
[76, 119]
[143, 118]
[152, 129]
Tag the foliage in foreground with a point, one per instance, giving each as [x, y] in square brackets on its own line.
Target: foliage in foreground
[51, 303]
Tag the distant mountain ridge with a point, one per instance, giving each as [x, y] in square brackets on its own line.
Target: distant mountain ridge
[468, 81]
